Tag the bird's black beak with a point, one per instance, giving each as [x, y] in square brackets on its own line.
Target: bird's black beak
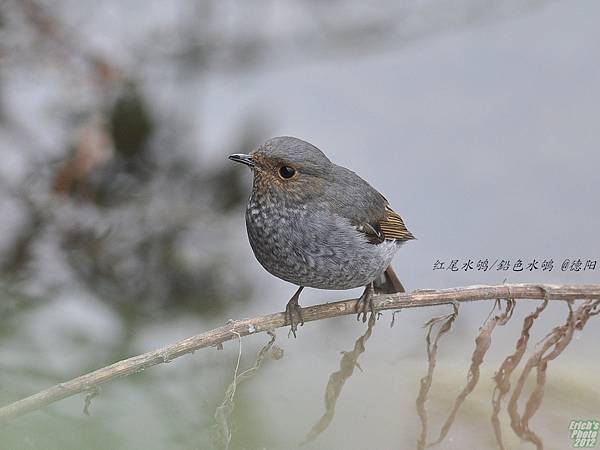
[242, 158]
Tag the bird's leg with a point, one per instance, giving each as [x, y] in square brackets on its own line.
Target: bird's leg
[365, 303]
[293, 307]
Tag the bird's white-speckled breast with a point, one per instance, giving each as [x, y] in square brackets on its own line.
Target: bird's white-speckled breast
[313, 248]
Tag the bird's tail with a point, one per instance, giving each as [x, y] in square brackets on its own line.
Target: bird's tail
[388, 283]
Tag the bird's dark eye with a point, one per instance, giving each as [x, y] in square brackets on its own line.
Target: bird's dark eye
[286, 172]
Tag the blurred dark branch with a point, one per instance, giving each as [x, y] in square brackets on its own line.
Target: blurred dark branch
[325, 33]
[240, 328]
[50, 28]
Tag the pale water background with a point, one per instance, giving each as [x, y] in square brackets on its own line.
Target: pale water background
[483, 135]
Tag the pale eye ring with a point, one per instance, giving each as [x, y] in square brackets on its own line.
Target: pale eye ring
[287, 172]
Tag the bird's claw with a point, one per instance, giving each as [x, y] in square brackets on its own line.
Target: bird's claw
[364, 305]
[291, 308]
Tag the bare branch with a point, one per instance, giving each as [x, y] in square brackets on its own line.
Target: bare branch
[259, 324]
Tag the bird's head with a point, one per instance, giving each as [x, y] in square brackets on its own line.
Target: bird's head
[288, 166]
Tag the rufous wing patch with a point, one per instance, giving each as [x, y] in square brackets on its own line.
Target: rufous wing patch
[392, 226]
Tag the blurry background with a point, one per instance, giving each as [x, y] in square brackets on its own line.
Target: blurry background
[122, 225]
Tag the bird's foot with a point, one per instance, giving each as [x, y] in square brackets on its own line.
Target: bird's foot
[365, 303]
[292, 308]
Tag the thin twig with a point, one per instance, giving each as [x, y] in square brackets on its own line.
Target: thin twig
[502, 377]
[336, 382]
[222, 428]
[482, 345]
[548, 349]
[259, 324]
[445, 325]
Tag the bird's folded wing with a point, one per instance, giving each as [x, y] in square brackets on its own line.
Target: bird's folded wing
[392, 226]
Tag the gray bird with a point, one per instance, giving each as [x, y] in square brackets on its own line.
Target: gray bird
[317, 224]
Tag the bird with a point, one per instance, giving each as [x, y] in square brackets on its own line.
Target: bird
[316, 224]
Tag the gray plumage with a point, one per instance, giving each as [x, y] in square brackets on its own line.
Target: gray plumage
[314, 223]
[309, 236]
